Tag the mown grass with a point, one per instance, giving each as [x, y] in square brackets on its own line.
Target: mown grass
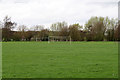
[60, 60]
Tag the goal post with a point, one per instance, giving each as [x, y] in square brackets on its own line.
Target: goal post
[59, 38]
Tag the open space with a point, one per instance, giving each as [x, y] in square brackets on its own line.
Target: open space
[60, 59]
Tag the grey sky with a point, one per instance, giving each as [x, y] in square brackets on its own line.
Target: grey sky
[46, 12]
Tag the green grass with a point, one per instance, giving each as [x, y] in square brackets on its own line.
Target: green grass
[60, 60]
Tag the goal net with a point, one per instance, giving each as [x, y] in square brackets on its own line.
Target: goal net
[59, 38]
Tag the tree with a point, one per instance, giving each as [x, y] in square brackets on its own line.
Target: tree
[64, 31]
[38, 27]
[44, 34]
[36, 31]
[29, 35]
[95, 28]
[111, 26]
[58, 26]
[8, 26]
[59, 29]
[117, 31]
[74, 32]
[1, 25]
[22, 29]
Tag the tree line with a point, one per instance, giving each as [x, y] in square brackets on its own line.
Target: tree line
[95, 29]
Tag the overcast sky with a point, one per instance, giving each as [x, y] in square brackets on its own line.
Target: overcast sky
[46, 12]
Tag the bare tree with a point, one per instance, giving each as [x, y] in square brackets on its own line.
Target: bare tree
[38, 27]
[22, 28]
[58, 26]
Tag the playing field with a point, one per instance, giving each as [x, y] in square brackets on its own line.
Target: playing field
[60, 60]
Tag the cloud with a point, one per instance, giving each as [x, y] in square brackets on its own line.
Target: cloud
[46, 12]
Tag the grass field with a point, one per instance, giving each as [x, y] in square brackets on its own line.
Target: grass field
[60, 60]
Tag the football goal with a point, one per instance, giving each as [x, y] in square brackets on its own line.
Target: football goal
[59, 38]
